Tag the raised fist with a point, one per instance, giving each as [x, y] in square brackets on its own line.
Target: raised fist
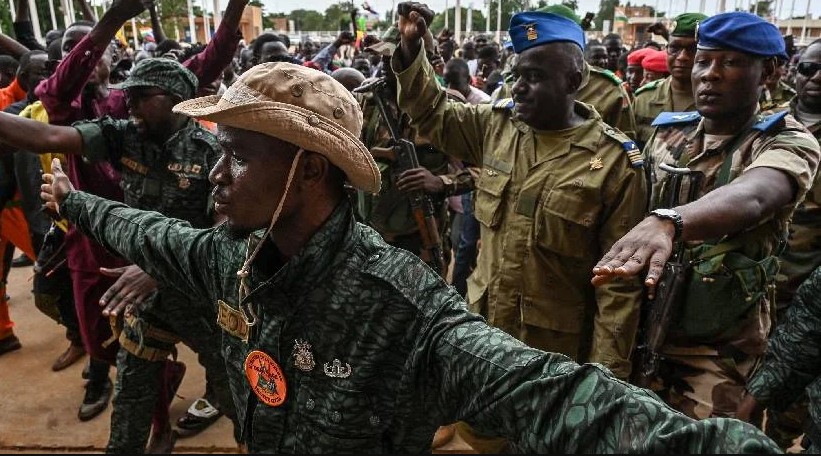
[414, 19]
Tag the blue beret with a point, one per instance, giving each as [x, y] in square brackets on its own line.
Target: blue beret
[534, 28]
[742, 32]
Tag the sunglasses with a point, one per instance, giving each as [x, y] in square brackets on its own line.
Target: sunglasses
[808, 69]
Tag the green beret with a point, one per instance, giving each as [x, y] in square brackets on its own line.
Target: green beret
[562, 10]
[685, 24]
[166, 74]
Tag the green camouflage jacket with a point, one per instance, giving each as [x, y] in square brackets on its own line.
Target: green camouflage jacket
[793, 361]
[803, 254]
[389, 351]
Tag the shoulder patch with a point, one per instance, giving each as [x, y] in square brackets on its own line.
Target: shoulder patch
[672, 118]
[607, 73]
[502, 104]
[649, 86]
[767, 122]
[630, 148]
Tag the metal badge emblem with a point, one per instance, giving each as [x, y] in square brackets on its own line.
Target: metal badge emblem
[303, 358]
[337, 370]
[184, 182]
[596, 163]
[531, 32]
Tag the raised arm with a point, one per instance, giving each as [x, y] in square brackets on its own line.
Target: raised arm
[167, 249]
[23, 29]
[27, 134]
[88, 14]
[60, 92]
[210, 63]
[156, 27]
[455, 128]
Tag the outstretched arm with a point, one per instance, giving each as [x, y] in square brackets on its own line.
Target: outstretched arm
[23, 29]
[219, 53]
[167, 249]
[27, 134]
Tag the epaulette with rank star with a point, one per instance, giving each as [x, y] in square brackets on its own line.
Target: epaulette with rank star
[672, 118]
[503, 103]
[767, 122]
[629, 146]
[649, 86]
[607, 73]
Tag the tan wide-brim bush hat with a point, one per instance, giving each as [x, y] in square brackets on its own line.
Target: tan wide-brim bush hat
[299, 105]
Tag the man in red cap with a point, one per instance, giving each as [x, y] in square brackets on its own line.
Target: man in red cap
[654, 65]
[635, 72]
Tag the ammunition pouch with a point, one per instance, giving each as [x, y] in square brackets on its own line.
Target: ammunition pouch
[722, 287]
[152, 344]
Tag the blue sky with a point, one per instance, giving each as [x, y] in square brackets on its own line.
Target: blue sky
[678, 6]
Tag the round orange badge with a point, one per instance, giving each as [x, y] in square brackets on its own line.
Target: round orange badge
[265, 377]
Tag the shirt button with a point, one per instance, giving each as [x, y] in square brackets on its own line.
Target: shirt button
[336, 417]
[87, 53]
[310, 404]
[374, 420]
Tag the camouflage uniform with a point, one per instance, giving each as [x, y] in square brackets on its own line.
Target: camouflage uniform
[799, 260]
[417, 358]
[791, 366]
[706, 378]
[171, 179]
[389, 212]
[651, 100]
[776, 99]
[548, 206]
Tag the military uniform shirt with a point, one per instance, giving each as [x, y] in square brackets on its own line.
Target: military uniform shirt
[606, 92]
[793, 361]
[651, 100]
[803, 254]
[171, 179]
[417, 357]
[544, 226]
[777, 142]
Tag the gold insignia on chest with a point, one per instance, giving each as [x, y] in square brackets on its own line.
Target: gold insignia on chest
[596, 163]
[174, 167]
[184, 182]
[303, 358]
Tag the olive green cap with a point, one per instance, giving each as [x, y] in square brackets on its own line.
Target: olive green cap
[685, 24]
[562, 10]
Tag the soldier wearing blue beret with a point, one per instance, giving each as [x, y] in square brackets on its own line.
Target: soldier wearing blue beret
[745, 174]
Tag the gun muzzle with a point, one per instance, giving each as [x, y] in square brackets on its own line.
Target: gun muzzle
[370, 86]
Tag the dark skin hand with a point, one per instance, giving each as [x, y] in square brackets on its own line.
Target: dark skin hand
[419, 179]
[133, 286]
[414, 19]
[743, 203]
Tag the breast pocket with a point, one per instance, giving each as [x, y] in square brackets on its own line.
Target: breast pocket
[490, 191]
[340, 419]
[566, 224]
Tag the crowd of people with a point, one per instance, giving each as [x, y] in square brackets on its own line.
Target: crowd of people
[373, 244]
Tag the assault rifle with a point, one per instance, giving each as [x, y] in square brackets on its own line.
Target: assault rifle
[658, 313]
[405, 158]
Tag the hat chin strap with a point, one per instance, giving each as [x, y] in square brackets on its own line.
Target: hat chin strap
[249, 258]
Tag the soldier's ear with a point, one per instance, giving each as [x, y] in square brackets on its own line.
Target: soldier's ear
[767, 69]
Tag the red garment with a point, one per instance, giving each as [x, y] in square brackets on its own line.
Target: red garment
[11, 94]
[14, 230]
[634, 58]
[655, 61]
[62, 96]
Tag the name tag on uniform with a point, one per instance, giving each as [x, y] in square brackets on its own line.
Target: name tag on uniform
[231, 321]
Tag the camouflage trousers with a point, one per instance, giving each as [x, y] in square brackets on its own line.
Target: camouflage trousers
[141, 380]
[704, 386]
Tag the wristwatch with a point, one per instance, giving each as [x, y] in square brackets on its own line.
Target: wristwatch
[675, 217]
